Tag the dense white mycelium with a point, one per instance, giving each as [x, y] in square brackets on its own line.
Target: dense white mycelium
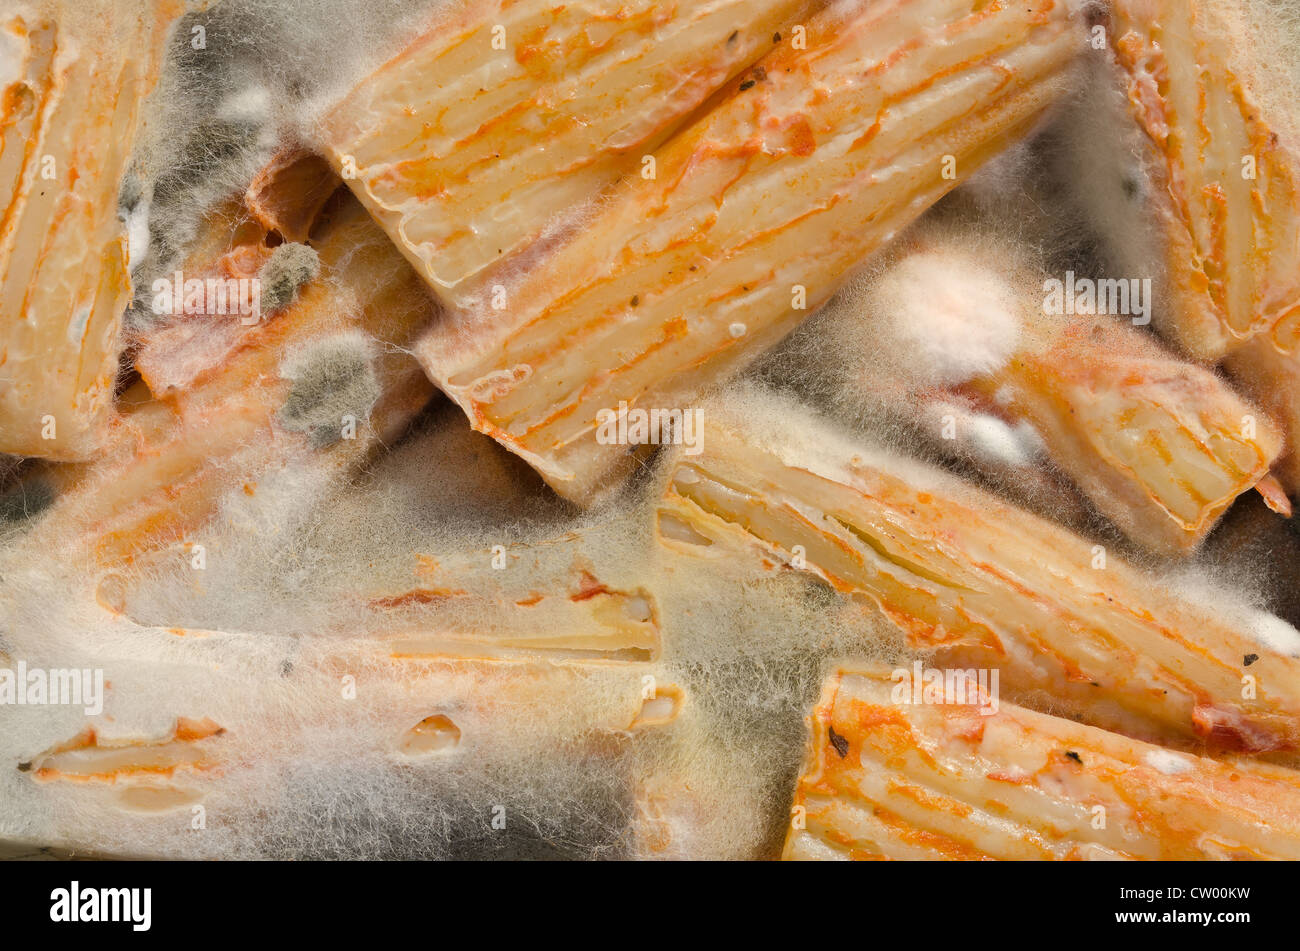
[941, 318]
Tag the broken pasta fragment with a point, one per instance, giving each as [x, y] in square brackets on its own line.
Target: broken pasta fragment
[1187, 160]
[966, 349]
[73, 77]
[955, 777]
[320, 384]
[1222, 186]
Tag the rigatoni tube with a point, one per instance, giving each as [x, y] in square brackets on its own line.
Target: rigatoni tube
[888, 778]
[72, 86]
[980, 583]
[754, 215]
[489, 129]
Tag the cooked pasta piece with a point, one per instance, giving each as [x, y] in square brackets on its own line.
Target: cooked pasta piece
[323, 380]
[981, 583]
[1224, 187]
[73, 76]
[889, 778]
[809, 162]
[486, 131]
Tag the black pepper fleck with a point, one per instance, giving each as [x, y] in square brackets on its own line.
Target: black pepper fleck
[840, 743]
[1249, 659]
[1071, 754]
[748, 84]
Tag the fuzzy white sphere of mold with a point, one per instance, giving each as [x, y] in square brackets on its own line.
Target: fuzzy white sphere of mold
[943, 318]
[1275, 633]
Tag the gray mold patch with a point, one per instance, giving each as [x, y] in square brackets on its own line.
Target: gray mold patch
[333, 384]
[290, 267]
